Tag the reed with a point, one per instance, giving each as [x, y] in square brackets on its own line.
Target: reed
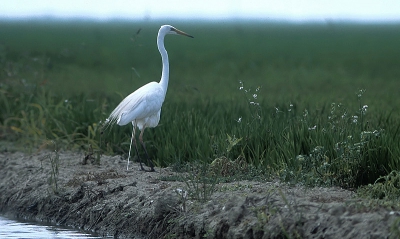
[312, 104]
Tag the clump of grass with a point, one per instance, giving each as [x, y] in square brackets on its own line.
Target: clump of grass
[200, 183]
[92, 155]
[341, 151]
[394, 229]
[225, 167]
[54, 159]
[42, 116]
[385, 187]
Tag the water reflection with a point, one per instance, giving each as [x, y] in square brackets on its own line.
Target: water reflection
[14, 229]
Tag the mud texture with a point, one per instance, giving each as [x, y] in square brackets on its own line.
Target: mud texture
[113, 202]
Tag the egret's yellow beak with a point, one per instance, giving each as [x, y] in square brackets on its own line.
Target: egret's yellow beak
[182, 33]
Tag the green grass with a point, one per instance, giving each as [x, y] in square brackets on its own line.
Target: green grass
[294, 94]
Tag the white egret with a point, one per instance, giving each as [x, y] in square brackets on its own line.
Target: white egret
[143, 106]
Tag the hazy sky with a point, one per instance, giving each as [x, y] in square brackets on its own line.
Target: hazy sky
[375, 10]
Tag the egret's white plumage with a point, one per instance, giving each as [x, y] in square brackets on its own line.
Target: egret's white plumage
[143, 106]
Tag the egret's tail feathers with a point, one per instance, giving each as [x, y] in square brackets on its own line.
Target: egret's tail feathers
[106, 124]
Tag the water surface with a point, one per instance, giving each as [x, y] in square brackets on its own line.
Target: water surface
[10, 228]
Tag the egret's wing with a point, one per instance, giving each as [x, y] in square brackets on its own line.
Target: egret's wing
[144, 102]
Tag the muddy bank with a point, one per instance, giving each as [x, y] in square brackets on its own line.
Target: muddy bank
[111, 201]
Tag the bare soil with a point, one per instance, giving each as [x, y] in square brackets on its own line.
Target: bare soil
[113, 202]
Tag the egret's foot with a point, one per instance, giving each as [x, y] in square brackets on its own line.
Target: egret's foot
[150, 163]
[145, 170]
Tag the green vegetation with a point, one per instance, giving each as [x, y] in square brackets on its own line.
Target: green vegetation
[314, 103]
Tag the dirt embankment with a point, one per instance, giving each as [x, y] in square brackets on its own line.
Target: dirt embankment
[111, 201]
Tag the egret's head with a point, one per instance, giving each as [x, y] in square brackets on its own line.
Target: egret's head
[167, 29]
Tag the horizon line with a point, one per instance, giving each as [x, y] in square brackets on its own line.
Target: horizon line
[202, 19]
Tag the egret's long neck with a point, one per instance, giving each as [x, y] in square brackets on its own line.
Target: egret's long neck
[165, 63]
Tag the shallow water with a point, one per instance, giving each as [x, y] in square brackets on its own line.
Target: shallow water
[10, 228]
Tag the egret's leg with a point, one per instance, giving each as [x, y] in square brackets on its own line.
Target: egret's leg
[145, 150]
[130, 146]
[136, 148]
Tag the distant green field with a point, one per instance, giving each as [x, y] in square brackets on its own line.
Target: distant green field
[303, 83]
[289, 61]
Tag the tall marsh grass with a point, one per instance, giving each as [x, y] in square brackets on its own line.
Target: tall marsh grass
[313, 104]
